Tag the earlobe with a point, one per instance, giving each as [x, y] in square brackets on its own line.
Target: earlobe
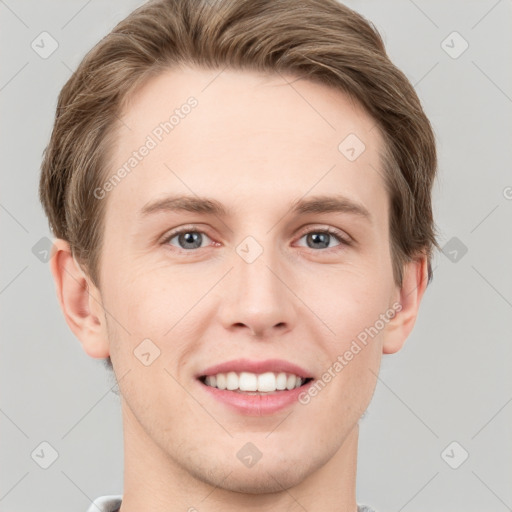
[414, 284]
[79, 300]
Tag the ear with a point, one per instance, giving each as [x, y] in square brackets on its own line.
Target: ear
[414, 284]
[79, 300]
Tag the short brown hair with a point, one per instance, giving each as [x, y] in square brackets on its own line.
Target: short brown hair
[321, 40]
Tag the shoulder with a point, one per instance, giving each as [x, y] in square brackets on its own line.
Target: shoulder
[106, 504]
[365, 508]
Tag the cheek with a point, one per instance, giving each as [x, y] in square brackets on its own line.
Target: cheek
[149, 296]
[348, 301]
[357, 312]
[159, 303]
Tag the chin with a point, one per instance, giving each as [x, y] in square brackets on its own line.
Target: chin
[265, 477]
[263, 481]
[267, 484]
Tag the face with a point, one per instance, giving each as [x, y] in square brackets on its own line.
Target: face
[274, 264]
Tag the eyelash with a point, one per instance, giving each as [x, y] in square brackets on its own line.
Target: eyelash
[342, 239]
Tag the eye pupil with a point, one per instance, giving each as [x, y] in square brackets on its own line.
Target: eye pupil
[322, 238]
[189, 238]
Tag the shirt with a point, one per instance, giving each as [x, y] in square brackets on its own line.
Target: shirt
[113, 503]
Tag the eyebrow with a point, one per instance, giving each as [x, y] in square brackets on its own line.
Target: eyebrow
[316, 204]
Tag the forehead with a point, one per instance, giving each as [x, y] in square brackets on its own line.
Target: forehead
[242, 135]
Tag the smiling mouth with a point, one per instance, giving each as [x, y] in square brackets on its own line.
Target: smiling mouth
[253, 383]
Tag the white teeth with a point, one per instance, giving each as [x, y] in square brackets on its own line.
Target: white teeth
[281, 381]
[221, 380]
[231, 381]
[248, 382]
[267, 382]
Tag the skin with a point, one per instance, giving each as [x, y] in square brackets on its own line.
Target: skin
[255, 143]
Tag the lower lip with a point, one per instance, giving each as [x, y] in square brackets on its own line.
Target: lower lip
[257, 405]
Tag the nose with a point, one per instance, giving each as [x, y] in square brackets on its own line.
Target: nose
[258, 298]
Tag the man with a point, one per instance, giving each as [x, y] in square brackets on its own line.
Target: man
[241, 197]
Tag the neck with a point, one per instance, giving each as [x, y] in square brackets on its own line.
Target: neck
[154, 481]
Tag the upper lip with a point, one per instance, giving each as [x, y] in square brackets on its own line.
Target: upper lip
[253, 366]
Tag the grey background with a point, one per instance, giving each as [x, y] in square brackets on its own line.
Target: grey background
[451, 382]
